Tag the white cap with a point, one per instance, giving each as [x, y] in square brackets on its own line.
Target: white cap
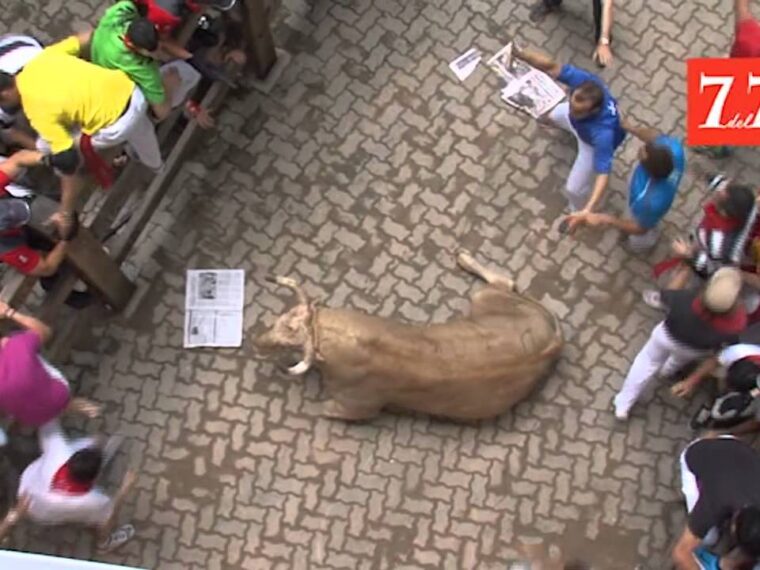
[722, 290]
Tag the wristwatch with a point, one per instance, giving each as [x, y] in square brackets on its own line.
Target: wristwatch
[604, 40]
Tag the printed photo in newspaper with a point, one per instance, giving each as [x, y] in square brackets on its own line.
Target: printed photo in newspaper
[214, 301]
[526, 88]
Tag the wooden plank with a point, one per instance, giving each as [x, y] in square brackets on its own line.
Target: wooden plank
[87, 256]
[261, 52]
[156, 191]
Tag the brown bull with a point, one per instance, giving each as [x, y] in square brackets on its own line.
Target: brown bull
[470, 368]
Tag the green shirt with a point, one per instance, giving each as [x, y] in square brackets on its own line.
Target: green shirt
[109, 50]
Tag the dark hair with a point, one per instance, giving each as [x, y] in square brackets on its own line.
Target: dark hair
[739, 201]
[142, 33]
[742, 375]
[658, 162]
[748, 530]
[590, 91]
[85, 465]
[6, 81]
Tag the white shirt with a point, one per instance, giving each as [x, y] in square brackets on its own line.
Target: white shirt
[735, 352]
[52, 507]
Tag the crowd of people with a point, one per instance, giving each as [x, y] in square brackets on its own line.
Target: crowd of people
[710, 298]
[115, 82]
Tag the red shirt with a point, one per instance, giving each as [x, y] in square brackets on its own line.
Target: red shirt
[23, 258]
[747, 39]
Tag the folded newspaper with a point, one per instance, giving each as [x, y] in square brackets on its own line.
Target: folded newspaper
[214, 301]
[526, 88]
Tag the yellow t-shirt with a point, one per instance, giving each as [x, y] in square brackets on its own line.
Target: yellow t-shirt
[59, 92]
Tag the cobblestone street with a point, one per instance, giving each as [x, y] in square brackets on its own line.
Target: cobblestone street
[359, 174]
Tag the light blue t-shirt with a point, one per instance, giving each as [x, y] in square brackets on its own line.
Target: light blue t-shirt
[649, 199]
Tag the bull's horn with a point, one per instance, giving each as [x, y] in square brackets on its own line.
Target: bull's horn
[291, 284]
[307, 360]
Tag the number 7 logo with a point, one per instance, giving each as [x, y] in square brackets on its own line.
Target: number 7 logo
[723, 102]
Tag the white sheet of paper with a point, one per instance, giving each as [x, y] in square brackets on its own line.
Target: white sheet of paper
[214, 301]
[465, 64]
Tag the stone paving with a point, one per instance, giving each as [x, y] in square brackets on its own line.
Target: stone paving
[359, 174]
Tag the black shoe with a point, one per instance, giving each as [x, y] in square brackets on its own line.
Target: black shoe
[542, 8]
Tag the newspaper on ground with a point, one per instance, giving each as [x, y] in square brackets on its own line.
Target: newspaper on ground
[465, 64]
[526, 88]
[214, 301]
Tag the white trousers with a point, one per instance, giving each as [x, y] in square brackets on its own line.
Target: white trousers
[581, 179]
[133, 128]
[660, 354]
[644, 242]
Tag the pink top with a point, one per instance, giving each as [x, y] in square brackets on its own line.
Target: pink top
[31, 391]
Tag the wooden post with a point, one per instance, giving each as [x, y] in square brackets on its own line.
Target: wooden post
[261, 52]
[87, 257]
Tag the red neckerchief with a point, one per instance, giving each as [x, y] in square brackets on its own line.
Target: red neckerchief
[715, 220]
[755, 359]
[63, 483]
[98, 167]
[729, 323]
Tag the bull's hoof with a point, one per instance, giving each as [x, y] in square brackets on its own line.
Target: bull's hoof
[336, 410]
[466, 261]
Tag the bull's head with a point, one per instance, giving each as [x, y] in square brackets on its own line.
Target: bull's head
[293, 330]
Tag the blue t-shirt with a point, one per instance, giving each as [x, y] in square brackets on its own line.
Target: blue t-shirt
[650, 199]
[602, 130]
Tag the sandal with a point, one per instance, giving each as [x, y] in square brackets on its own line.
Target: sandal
[117, 538]
[653, 299]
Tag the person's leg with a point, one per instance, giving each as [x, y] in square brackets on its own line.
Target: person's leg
[136, 130]
[597, 8]
[560, 116]
[143, 142]
[581, 178]
[646, 364]
[543, 7]
[644, 242]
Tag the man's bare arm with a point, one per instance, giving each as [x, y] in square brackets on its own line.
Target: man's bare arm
[539, 60]
[18, 161]
[600, 185]
[683, 551]
[49, 264]
[742, 11]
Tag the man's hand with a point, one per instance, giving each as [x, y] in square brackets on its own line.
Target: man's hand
[602, 55]
[684, 388]
[681, 248]
[236, 56]
[584, 217]
[19, 511]
[64, 223]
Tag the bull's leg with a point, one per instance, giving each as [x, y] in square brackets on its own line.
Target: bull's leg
[468, 263]
[342, 410]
